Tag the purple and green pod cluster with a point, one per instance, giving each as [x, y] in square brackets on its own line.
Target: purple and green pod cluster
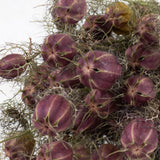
[98, 26]
[139, 90]
[69, 11]
[99, 69]
[20, 147]
[140, 139]
[100, 102]
[140, 55]
[58, 50]
[58, 150]
[107, 152]
[52, 114]
[12, 65]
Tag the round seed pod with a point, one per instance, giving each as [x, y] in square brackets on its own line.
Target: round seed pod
[98, 26]
[100, 102]
[12, 65]
[69, 11]
[98, 70]
[28, 95]
[58, 150]
[139, 138]
[58, 49]
[84, 120]
[148, 29]
[107, 152]
[139, 90]
[66, 76]
[122, 17]
[140, 55]
[20, 147]
[52, 114]
[81, 153]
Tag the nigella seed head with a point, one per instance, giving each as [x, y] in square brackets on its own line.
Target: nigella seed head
[12, 65]
[98, 70]
[52, 115]
[139, 138]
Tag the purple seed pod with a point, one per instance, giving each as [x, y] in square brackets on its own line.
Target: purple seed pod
[81, 153]
[69, 11]
[28, 95]
[58, 50]
[20, 147]
[139, 90]
[139, 138]
[140, 55]
[98, 26]
[12, 65]
[68, 77]
[98, 70]
[52, 114]
[122, 17]
[107, 152]
[148, 29]
[84, 120]
[100, 102]
[57, 150]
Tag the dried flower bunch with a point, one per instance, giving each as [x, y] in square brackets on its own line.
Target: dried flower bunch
[90, 90]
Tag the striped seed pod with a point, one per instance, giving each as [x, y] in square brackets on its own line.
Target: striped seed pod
[58, 150]
[69, 11]
[140, 55]
[52, 115]
[98, 70]
[12, 65]
[58, 49]
[100, 102]
[148, 29]
[107, 152]
[139, 90]
[98, 26]
[140, 139]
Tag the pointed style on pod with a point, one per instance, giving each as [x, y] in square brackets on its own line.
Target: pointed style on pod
[140, 139]
[12, 65]
[57, 150]
[140, 55]
[139, 90]
[148, 29]
[20, 147]
[52, 115]
[107, 152]
[98, 26]
[122, 17]
[99, 70]
[69, 11]
[100, 102]
[58, 49]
